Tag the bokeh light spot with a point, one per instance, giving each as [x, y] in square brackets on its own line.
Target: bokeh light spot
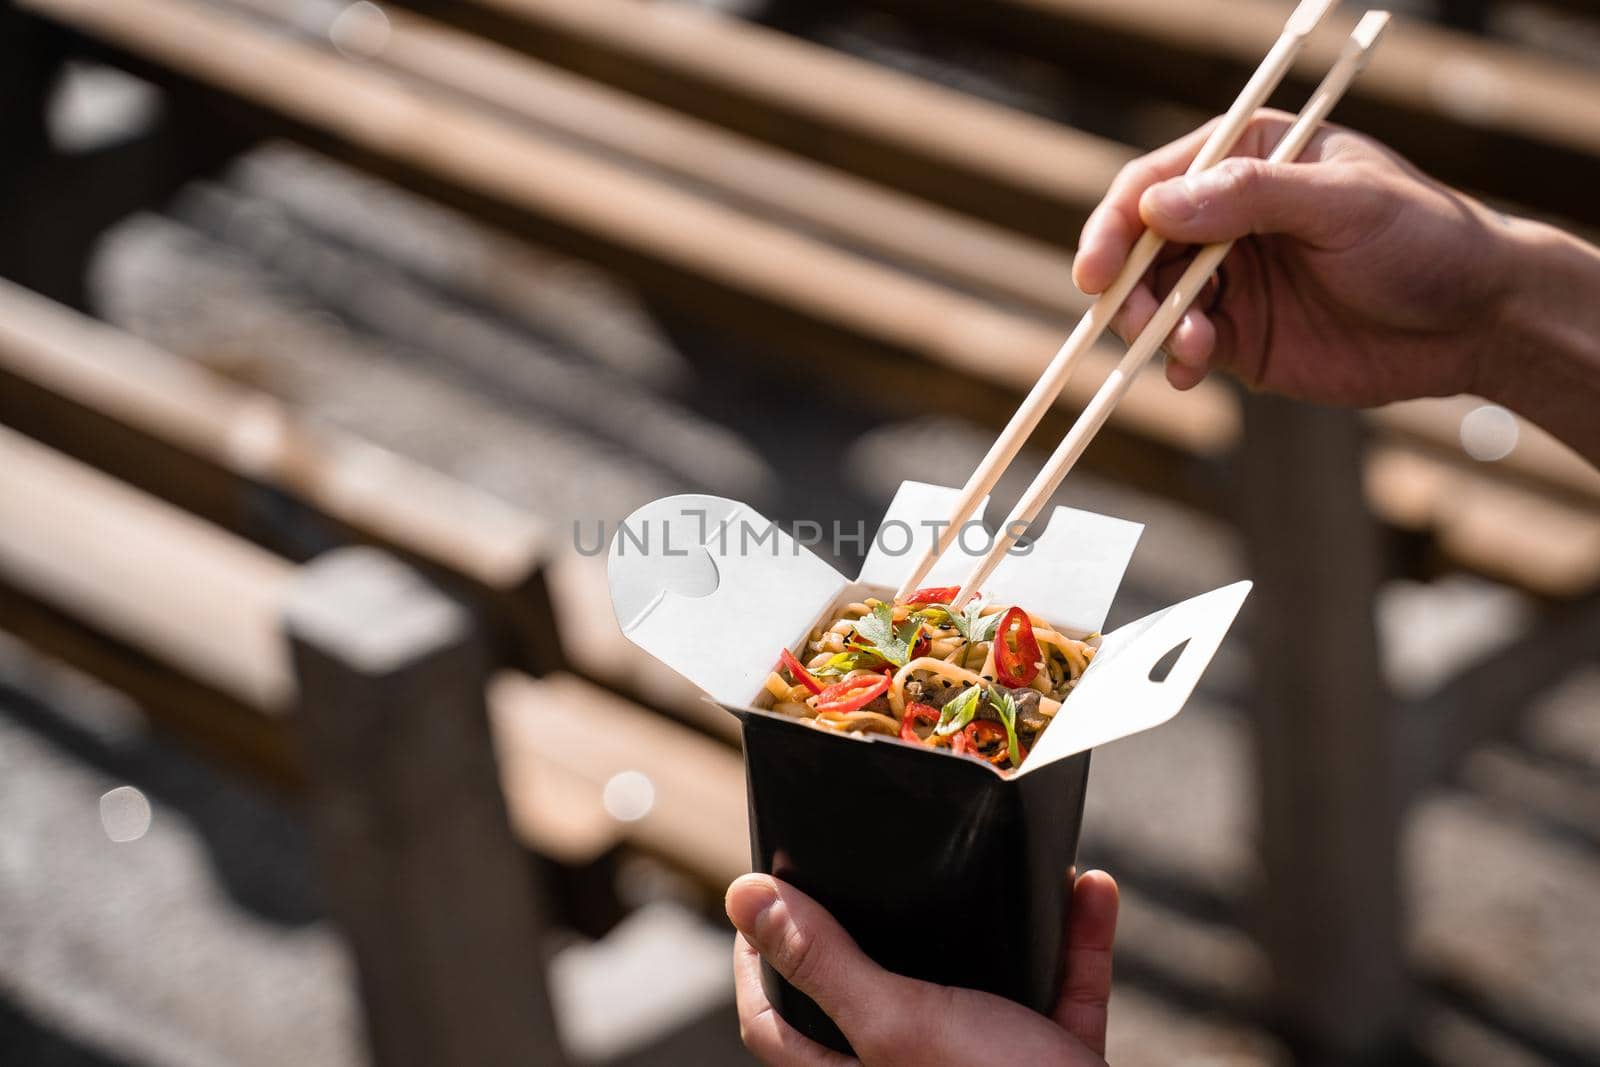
[629, 796]
[360, 31]
[1489, 433]
[125, 813]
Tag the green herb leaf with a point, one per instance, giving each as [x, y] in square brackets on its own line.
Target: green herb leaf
[842, 663]
[958, 713]
[878, 631]
[973, 625]
[1005, 706]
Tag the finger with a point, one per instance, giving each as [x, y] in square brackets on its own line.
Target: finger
[1183, 377]
[1192, 340]
[1115, 225]
[1091, 929]
[1324, 205]
[1135, 313]
[762, 1030]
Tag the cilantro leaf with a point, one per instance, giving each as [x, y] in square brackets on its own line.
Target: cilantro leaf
[959, 712]
[842, 663]
[1005, 706]
[973, 625]
[877, 630]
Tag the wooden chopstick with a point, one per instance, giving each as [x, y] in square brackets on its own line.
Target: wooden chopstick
[1350, 63]
[1304, 19]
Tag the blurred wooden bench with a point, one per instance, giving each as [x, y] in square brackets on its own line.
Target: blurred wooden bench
[187, 619]
[242, 460]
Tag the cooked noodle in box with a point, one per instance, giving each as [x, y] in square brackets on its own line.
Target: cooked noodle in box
[919, 770]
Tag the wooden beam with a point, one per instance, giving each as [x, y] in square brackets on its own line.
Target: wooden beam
[936, 143]
[106, 554]
[424, 877]
[1518, 535]
[241, 460]
[1493, 118]
[1535, 461]
[1326, 758]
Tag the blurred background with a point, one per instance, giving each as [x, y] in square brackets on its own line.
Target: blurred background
[331, 334]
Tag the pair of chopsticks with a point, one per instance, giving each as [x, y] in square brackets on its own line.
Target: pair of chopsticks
[1351, 61]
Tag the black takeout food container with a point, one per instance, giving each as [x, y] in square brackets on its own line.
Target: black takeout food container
[941, 867]
[955, 877]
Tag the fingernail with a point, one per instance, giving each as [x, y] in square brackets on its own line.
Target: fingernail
[1176, 199]
[748, 900]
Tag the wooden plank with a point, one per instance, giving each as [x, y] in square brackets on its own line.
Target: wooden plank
[1508, 532]
[240, 459]
[1326, 749]
[749, 274]
[232, 733]
[1536, 460]
[799, 192]
[1493, 118]
[680, 796]
[1032, 175]
[106, 554]
[424, 876]
[152, 601]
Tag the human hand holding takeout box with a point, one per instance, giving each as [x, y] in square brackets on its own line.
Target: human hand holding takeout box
[887, 835]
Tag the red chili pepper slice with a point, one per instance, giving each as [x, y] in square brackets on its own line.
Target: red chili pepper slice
[852, 694]
[933, 594]
[920, 646]
[796, 668]
[1016, 666]
[917, 713]
[984, 732]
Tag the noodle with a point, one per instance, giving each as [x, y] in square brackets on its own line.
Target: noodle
[906, 670]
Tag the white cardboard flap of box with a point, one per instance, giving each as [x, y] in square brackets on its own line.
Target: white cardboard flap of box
[713, 589]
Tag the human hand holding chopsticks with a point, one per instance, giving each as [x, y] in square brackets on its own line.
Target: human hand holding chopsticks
[1356, 280]
[892, 1020]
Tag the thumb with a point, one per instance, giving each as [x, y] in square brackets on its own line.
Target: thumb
[809, 948]
[1323, 205]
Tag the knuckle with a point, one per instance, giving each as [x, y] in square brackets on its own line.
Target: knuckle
[801, 957]
[1240, 175]
[1138, 174]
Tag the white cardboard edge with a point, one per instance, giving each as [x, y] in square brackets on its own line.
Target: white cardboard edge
[1116, 696]
[1069, 574]
[713, 589]
[691, 586]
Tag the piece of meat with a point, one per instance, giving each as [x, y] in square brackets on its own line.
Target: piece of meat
[1029, 717]
[932, 693]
